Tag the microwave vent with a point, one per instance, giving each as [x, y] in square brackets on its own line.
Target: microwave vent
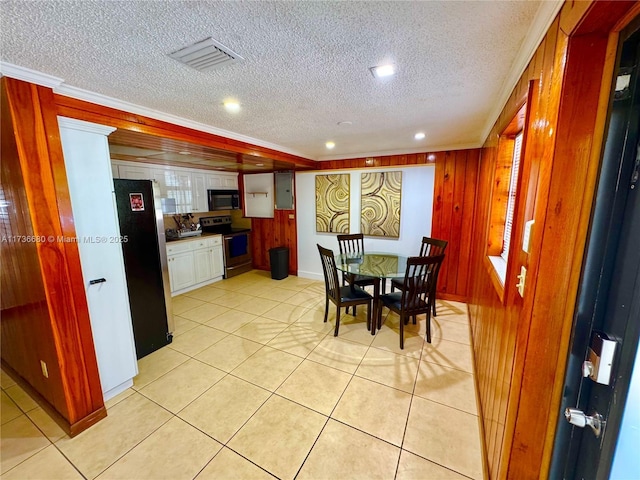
[206, 55]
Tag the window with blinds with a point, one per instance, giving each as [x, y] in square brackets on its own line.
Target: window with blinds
[511, 201]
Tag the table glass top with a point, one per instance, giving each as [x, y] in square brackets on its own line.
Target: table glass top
[372, 264]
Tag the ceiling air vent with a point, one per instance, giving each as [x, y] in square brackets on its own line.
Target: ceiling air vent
[206, 55]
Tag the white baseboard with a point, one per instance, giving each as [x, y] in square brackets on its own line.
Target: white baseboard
[116, 390]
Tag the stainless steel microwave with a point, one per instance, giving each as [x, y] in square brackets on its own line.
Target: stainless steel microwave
[223, 200]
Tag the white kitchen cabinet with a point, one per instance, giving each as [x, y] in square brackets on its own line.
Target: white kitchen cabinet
[230, 182]
[194, 263]
[162, 178]
[184, 198]
[89, 176]
[221, 181]
[203, 259]
[199, 189]
[218, 260]
[188, 186]
[181, 270]
[134, 172]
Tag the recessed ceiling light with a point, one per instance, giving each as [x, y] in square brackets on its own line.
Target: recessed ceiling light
[232, 107]
[431, 157]
[259, 164]
[383, 70]
[345, 124]
[184, 152]
[419, 136]
[330, 145]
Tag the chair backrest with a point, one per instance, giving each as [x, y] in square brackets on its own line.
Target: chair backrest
[352, 243]
[432, 247]
[330, 272]
[419, 280]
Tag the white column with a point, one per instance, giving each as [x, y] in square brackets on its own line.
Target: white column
[89, 175]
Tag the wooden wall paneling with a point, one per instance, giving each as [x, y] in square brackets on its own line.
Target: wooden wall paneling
[438, 193]
[578, 110]
[448, 184]
[267, 233]
[467, 215]
[23, 300]
[455, 234]
[543, 147]
[33, 112]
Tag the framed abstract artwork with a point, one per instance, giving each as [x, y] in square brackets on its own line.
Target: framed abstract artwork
[380, 204]
[332, 203]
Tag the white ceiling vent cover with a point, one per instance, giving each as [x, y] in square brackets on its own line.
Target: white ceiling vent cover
[206, 55]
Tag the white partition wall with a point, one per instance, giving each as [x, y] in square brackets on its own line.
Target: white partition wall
[86, 158]
[415, 216]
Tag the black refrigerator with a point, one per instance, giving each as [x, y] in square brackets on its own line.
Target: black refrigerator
[145, 263]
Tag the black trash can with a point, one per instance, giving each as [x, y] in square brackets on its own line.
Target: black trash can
[279, 259]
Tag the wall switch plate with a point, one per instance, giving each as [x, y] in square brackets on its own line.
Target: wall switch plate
[526, 237]
[521, 279]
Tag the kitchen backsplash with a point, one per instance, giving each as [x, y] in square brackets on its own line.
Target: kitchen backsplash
[237, 219]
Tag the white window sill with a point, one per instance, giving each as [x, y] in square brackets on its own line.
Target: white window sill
[500, 266]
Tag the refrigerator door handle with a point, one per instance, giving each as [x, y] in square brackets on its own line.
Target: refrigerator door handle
[97, 280]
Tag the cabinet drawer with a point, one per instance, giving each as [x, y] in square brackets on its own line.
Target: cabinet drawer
[179, 247]
[197, 244]
[217, 240]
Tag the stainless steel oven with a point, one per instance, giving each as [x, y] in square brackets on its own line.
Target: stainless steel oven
[237, 253]
[236, 243]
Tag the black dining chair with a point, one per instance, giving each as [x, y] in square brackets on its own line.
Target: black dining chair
[429, 247]
[416, 297]
[342, 296]
[353, 244]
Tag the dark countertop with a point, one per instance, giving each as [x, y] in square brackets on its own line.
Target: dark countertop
[196, 237]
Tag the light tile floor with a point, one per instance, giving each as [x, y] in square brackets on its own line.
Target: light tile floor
[256, 386]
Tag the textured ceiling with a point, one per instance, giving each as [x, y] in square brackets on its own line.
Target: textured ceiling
[306, 65]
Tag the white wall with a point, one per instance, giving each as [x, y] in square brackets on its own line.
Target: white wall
[415, 216]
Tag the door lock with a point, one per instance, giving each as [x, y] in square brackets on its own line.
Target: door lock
[578, 418]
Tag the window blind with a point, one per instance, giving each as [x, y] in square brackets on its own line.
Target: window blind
[511, 202]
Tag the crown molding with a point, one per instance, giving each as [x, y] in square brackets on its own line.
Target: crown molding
[545, 16]
[58, 86]
[81, 125]
[105, 101]
[410, 151]
[28, 75]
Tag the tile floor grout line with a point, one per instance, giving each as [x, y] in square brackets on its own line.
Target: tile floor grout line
[309, 289]
[311, 449]
[406, 423]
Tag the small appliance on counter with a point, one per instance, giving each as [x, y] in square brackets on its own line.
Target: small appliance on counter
[185, 227]
[236, 242]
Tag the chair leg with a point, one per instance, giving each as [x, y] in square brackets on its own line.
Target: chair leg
[326, 309]
[433, 301]
[414, 319]
[335, 333]
[369, 307]
[401, 333]
[428, 326]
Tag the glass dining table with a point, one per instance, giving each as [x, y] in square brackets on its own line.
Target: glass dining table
[379, 265]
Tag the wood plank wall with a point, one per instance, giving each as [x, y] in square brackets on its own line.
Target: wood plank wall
[520, 345]
[453, 207]
[279, 231]
[44, 309]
